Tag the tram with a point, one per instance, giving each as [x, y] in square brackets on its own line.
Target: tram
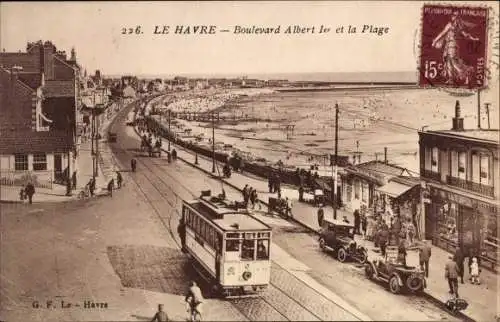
[229, 247]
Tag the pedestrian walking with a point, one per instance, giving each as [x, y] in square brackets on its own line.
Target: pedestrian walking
[383, 238]
[92, 186]
[357, 221]
[474, 271]
[321, 216]
[133, 164]
[30, 191]
[402, 253]
[160, 316]
[73, 180]
[246, 194]
[251, 197]
[424, 256]
[364, 224]
[22, 195]
[459, 259]
[270, 183]
[111, 185]
[119, 179]
[301, 193]
[451, 273]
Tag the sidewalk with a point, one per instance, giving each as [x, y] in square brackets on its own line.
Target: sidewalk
[482, 298]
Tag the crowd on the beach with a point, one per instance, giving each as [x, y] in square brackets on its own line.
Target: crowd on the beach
[199, 103]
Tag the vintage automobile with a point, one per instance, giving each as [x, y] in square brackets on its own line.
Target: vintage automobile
[398, 276]
[339, 236]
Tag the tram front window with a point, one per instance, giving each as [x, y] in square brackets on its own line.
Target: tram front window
[263, 249]
[232, 245]
[247, 249]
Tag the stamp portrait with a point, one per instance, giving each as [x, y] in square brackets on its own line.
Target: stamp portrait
[453, 47]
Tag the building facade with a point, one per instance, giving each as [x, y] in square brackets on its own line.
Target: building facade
[460, 170]
[39, 106]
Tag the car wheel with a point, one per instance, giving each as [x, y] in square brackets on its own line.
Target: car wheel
[341, 255]
[363, 256]
[322, 244]
[394, 285]
[414, 284]
[369, 271]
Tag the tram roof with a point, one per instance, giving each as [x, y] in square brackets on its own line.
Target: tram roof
[240, 221]
[226, 217]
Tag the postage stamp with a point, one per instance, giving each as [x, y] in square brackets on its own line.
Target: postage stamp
[453, 47]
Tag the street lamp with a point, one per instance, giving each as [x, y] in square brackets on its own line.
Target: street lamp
[169, 134]
[335, 160]
[213, 142]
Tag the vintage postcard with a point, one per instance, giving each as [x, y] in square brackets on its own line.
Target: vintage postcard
[249, 161]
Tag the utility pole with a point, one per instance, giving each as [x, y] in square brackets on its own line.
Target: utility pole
[478, 108]
[213, 142]
[168, 135]
[487, 105]
[335, 160]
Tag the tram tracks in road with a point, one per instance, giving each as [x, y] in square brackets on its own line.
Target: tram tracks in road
[273, 305]
[276, 304]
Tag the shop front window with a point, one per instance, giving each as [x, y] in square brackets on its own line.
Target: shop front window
[490, 237]
[447, 222]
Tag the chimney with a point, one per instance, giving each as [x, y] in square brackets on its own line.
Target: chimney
[48, 60]
[73, 55]
[458, 122]
[385, 154]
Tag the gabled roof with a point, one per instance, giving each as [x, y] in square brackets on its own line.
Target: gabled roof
[57, 88]
[33, 80]
[385, 169]
[12, 142]
[29, 62]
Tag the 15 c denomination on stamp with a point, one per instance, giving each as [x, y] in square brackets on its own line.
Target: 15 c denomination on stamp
[453, 46]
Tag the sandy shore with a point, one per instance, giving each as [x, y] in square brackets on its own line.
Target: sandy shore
[368, 122]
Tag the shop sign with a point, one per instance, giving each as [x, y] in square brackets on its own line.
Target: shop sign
[462, 200]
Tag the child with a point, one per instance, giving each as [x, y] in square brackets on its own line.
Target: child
[475, 271]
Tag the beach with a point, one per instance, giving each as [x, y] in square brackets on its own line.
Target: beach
[258, 122]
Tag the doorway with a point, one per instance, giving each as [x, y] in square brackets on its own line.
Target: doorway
[469, 228]
[58, 167]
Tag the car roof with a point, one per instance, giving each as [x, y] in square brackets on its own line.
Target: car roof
[338, 222]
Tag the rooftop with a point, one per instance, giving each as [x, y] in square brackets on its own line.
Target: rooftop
[33, 80]
[59, 88]
[382, 168]
[486, 135]
[33, 142]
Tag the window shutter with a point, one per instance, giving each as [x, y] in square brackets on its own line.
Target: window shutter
[427, 156]
[475, 168]
[485, 176]
[454, 164]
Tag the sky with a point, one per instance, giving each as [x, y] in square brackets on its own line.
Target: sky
[94, 29]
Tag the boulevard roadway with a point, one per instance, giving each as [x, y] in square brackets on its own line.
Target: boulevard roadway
[124, 252]
[288, 298]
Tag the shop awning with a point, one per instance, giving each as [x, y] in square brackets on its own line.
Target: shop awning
[394, 189]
